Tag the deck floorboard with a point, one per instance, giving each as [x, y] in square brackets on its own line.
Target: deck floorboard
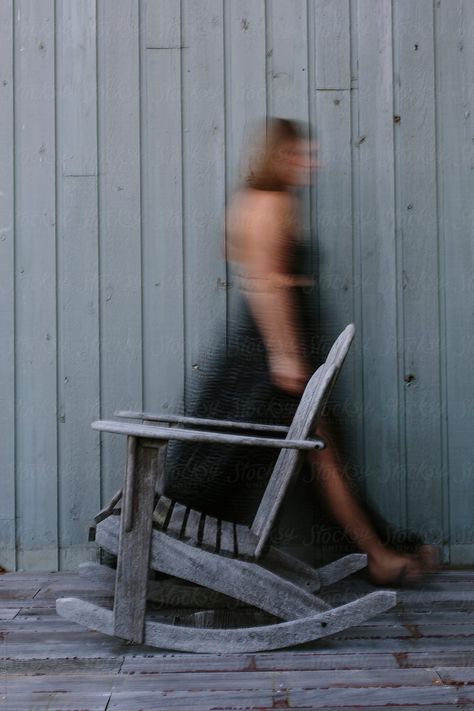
[419, 655]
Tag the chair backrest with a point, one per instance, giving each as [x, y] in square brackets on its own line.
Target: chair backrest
[309, 409]
[340, 346]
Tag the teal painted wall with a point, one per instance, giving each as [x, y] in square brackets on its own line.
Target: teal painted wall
[121, 127]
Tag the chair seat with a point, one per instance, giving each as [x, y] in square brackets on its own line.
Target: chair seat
[195, 528]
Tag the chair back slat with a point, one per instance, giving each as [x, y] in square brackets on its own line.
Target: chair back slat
[309, 409]
[340, 347]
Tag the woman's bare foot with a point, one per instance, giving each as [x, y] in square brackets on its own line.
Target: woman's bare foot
[393, 568]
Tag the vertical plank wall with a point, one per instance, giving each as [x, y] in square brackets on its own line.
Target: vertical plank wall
[122, 126]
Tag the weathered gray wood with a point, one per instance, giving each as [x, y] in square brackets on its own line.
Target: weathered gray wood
[340, 347]
[341, 568]
[162, 163]
[288, 59]
[187, 435]
[134, 549]
[203, 154]
[7, 289]
[227, 539]
[245, 66]
[455, 111]
[336, 202]
[285, 470]
[236, 640]
[118, 65]
[246, 542]
[193, 523]
[162, 512]
[419, 294]
[173, 592]
[9, 613]
[109, 508]
[130, 483]
[210, 534]
[378, 276]
[201, 421]
[101, 574]
[176, 523]
[36, 342]
[241, 579]
[332, 44]
[224, 619]
[292, 569]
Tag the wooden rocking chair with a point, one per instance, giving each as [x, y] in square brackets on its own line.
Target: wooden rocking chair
[231, 564]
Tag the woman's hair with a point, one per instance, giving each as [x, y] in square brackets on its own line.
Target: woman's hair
[262, 173]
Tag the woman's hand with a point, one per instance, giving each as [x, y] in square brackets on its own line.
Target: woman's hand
[289, 373]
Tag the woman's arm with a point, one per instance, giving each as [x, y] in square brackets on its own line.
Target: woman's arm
[265, 243]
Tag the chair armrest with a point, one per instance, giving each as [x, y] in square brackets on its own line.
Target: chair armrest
[188, 435]
[200, 421]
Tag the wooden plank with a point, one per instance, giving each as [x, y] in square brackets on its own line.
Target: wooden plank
[120, 215]
[210, 534]
[94, 701]
[227, 539]
[35, 260]
[78, 274]
[203, 185]
[109, 508]
[162, 512]
[332, 45]
[163, 327]
[418, 293]
[200, 421]
[334, 214]
[134, 550]
[287, 72]
[245, 106]
[311, 403]
[331, 107]
[125, 701]
[288, 60]
[179, 684]
[294, 660]
[193, 522]
[61, 666]
[242, 680]
[9, 613]
[7, 289]
[262, 638]
[154, 432]
[383, 449]
[246, 542]
[455, 111]
[176, 523]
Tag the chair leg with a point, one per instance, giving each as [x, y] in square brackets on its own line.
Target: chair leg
[134, 541]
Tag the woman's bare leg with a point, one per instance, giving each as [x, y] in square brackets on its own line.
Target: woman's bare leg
[384, 564]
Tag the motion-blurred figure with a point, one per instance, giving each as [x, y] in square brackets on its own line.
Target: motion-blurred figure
[259, 374]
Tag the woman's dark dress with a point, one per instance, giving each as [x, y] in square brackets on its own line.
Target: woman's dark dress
[228, 481]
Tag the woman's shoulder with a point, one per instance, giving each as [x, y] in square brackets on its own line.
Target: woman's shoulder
[252, 212]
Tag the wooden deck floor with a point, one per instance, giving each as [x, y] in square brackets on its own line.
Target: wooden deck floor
[420, 655]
